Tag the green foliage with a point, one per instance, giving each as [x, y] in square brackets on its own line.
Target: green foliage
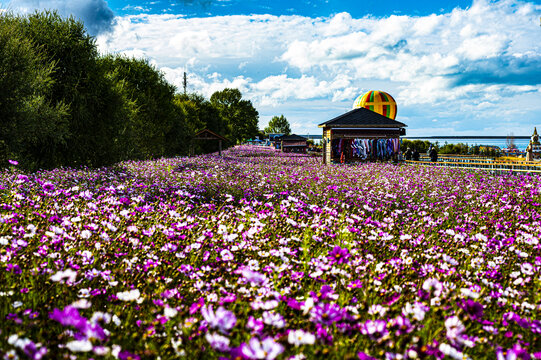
[154, 120]
[456, 149]
[484, 150]
[200, 114]
[61, 103]
[30, 122]
[239, 116]
[278, 125]
[419, 145]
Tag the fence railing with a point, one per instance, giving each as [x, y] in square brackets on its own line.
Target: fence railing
[483, 164]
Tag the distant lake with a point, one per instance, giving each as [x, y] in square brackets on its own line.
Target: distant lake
[521, 142]
[501, 141]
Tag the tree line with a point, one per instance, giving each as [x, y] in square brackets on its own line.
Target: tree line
[64, 104]
[455, 149]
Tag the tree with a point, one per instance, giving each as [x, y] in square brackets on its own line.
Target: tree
[32, 127]
[151, 126]
[200, 114]
[239, 116]
[94, 106]
[278, 125]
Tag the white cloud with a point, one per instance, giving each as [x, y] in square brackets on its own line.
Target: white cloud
[480, 60]
[96, 14]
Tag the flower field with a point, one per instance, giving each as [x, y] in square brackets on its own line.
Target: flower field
[256, 255]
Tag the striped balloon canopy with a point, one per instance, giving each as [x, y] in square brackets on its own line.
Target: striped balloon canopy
[377, 101]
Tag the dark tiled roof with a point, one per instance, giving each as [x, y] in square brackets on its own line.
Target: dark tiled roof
[362, 117]
[291, 137]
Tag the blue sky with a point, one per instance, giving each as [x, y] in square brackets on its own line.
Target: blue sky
[454, 67]
[312, 8]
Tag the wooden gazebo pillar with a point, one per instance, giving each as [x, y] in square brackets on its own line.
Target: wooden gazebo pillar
[207, 135]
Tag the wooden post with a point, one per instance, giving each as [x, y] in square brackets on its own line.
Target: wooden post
[220, 147]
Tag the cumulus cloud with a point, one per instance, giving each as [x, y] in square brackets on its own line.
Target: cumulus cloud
[480, 60]
[96, 14]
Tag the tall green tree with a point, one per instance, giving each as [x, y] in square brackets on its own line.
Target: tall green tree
[155, 119]
[32, 127]
[278, 125]
[239, 116]
[79, 82]
[200, 114]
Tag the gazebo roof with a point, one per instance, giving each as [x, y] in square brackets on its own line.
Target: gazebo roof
[360, 118]
[206, 134]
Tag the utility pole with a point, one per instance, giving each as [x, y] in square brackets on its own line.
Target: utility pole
[185, 83]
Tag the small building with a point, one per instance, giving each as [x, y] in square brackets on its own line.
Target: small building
[293, 144]
[361, 135]
[368, 132]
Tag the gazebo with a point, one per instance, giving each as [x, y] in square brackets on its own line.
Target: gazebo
[368, 132]
[208, 135]
[361, 134]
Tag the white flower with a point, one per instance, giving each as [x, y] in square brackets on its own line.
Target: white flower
[266, 349]
[68, 275]
[527, 269]
[273, 319]
[433, 286]
[377, 309]
[452, 352]
[11, 355]
[417, 309]
[100, 316]
[169, 312]
[85, 234]
[17, 304]
[226, 255]
[308, 305]
[79, 346]
[130, 295]
[454, 328]
[82, 304]
[469, 293]
[300, 337]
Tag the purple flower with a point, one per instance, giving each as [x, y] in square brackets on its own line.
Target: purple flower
[197, 305]
[253, 277]
[516, 352]
[364, 356]
[13, 162]
[401, 325]
[14, 268]
[255, 325]
[473, 308]
[327, 314]
[375, 329]
[34, 352]
[22, 178]
[70, 317]
[265, 349]
[126, 355]
[339, 255]
[218, 342]
[48, 186]
[222, 319]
